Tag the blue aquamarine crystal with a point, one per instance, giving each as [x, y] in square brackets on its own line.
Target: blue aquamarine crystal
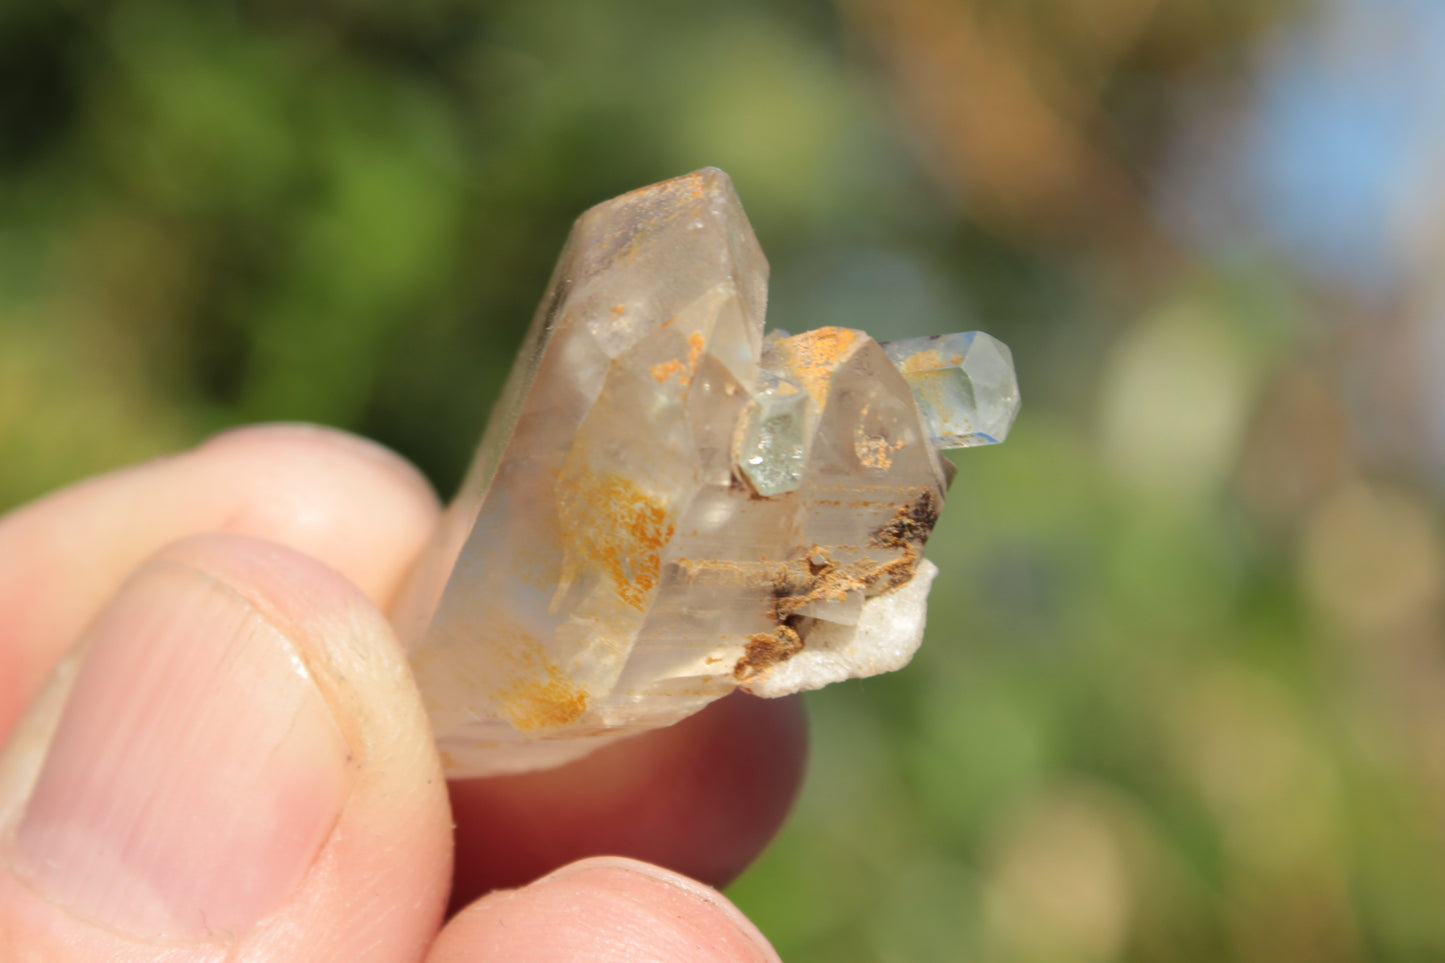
[964, 383]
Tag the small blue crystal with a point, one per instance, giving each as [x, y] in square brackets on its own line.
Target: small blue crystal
[964, 384]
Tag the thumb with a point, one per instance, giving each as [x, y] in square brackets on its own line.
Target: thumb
[233, 764]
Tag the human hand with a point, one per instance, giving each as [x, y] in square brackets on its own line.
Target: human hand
[230, 760]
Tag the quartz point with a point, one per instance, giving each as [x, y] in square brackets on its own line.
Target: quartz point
[667, 506]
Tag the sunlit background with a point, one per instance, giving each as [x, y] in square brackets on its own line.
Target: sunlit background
[1183, 692]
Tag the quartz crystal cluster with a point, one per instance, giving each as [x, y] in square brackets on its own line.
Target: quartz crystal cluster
[668, 505]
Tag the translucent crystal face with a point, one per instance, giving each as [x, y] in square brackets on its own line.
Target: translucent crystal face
[773, 452]
[964, 384]
[666, 507]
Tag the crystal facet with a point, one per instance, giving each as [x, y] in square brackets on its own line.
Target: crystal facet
[964, 384]
[666, 506]
[774, 449]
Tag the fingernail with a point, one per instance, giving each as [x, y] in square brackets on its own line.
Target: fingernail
[196, 770]
[695, 921]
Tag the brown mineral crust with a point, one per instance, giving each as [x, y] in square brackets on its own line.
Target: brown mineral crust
[897, 572]
[815, 577]
[812, 577]
[906, 532]
[765, 650]
[912, 525]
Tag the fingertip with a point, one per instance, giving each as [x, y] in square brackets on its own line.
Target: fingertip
[199, 705]
[342, 500]
[242, 760]
[302, 439]
[325, 492]
[605, 909]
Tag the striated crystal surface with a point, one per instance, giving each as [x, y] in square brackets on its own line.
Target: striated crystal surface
[666, 506]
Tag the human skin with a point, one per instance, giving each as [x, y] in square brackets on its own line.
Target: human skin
[229, 760]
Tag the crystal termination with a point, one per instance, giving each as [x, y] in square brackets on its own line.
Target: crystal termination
[667, 506]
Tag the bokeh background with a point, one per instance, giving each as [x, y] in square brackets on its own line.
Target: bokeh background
[1183, 694]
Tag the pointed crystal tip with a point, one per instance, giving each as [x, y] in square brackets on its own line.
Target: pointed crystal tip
[964, 384]
[668, 506]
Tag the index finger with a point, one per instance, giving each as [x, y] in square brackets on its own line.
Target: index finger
[344, 501]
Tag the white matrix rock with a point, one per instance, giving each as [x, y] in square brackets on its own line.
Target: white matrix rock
[667, 506]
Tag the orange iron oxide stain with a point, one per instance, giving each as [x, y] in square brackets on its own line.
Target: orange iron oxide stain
[549, 702]
[609, 523]
[667, 369]
[814, 355]
[696, 344]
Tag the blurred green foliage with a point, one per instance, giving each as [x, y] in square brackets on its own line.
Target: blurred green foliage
[1183, 695]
